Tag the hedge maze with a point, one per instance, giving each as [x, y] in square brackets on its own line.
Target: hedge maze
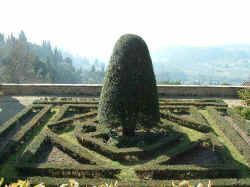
[60, 138]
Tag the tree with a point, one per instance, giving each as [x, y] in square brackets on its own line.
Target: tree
[1, 39]
[129, 94]
[22, 36]
[18, 61]
[93, 69]
[68, 60]
[23, 62]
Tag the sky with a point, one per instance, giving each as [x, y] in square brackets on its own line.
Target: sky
[91, 27]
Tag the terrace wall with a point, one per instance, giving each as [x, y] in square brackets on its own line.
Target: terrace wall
[95, 90]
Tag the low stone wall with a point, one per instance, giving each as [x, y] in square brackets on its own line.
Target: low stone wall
[95, 90]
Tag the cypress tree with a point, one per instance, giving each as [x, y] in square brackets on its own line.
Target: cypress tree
[129, 94]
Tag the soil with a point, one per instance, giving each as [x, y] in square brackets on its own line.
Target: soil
[199, 156]
[54, 155]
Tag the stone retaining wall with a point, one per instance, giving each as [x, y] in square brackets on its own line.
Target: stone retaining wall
[95, 90]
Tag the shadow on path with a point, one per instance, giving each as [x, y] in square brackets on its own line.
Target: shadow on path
[9, 107]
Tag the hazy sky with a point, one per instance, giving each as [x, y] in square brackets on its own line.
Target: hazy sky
[91, 27]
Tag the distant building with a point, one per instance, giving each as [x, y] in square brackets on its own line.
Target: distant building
[246, 83]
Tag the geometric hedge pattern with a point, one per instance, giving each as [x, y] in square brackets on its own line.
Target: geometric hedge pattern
[60, 138]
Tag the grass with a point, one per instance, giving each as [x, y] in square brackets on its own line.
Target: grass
[192, 135]
[238, 158]
[6, 169]
[128, 171]
[69, 136]
[54, 110]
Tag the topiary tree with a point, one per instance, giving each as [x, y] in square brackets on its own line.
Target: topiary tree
[129, 94]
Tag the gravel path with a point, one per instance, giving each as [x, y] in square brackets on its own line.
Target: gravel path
[233, 102]
[10, 106]
[53, 154]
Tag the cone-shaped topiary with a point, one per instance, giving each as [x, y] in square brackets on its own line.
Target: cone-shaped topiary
[129, 94]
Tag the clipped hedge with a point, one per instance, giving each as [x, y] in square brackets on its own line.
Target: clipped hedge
[61, 171]
[230, 133]
[173, 107]
[57, 125]
[91, 106]
[196, 115]
[66, 170]
[14, 122]
[241, 122]
[60, 102]
[195, 103]
[77, 152]
[121, 154]
[217, 100]
[34, 146]
[188, 172]
[187, 123]
[219, 149]
[182, 148]
[16, 141]
[61, 113]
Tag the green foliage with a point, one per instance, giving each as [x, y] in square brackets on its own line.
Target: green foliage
[168, 82]
[22, 36]
[243, 111]
[188, 172]
[192, 124]
[1, 181]
[239, 120]
[244, 94]
[152, 164]
[13, 122]
[230, 133]
[24, 62]
[67, 170]
[124, 151]
[246, 113]
[225, 84]
[129, 94]
[15, 142]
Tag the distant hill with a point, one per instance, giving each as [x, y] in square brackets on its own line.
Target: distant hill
[25, 62]
[190, 65]
[203, 65]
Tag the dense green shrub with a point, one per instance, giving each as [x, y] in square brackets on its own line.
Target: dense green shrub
[243, 111]
[238, 109]
[246, 113]
[129, 94]
[244, 94]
